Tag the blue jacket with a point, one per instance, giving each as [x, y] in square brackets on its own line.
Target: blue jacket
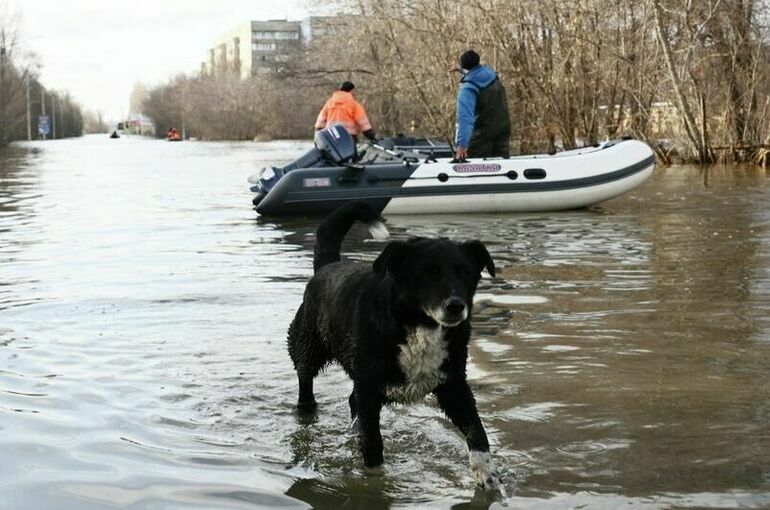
[477, 79]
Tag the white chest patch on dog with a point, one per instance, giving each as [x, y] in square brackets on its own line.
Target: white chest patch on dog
[379, 231]
[420, 360]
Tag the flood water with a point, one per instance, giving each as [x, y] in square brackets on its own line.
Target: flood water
[620, 359]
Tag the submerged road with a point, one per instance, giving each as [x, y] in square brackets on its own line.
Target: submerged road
[621, 358]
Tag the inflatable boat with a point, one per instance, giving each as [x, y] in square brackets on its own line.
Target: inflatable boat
[420, 177]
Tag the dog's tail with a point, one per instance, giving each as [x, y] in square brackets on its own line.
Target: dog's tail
[329, 236]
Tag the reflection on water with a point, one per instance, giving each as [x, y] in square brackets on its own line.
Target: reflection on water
[620, 358]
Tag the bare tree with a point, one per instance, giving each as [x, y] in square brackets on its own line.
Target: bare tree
[20, 88]
[12, 103]
[689, 77]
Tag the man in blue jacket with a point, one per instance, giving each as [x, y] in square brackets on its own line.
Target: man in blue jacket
[483, 123]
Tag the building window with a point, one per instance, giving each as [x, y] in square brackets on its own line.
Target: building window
[255, 36]
[263, 46]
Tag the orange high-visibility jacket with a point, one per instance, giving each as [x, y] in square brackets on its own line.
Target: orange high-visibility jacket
[344, 110]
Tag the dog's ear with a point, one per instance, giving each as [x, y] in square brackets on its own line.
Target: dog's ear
[391, 258]
[480, 256]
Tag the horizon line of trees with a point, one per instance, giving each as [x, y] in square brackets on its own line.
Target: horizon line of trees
[23, 99]
[692, 79]
[228, 108]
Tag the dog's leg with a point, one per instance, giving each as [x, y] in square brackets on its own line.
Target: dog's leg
[355, 426]
[457, 402]
[368, 405]
[306, 400]
[308, 355]
[352, 403]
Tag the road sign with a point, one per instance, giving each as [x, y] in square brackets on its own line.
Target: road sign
[43, 126]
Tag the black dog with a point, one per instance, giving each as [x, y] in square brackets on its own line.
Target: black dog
[400, 329]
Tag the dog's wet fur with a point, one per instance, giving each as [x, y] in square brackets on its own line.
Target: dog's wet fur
[399, 327]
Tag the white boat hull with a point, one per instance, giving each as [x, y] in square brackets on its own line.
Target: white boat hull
[541, 182]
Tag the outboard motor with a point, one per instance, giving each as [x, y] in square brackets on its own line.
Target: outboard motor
[333, 146]
[264, 182]
[336, 144]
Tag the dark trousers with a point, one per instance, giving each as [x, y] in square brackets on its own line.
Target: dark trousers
[489, 148]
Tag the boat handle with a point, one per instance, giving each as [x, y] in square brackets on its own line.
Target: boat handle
[347, 180]
[534, 173]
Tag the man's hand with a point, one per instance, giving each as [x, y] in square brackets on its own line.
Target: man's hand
[461, 153]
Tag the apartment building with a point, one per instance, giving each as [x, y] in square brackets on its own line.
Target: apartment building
[255, 47]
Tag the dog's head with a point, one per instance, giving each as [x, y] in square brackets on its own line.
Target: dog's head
[436, 277]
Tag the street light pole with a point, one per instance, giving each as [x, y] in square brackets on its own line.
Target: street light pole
[53, 117]
[29, 116]
[184, 102]
[42, 96]
[2, 87]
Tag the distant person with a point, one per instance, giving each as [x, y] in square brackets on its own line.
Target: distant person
[343, 109]
[483, 123]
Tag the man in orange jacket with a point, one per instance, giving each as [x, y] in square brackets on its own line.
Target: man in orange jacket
[343, 109]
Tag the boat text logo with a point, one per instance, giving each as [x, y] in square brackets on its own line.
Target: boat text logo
[476, 168]
[316, 182]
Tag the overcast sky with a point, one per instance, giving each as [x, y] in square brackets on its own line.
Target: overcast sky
[98, 49]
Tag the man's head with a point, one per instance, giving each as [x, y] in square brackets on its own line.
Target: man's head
[469, 60]
[347, 86]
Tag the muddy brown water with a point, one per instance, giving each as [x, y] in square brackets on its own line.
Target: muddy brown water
[621, 358]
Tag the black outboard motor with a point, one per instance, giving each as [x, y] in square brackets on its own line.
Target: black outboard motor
[333, 146]
[336, 144]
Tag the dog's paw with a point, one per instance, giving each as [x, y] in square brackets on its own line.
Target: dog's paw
[375, 471]
[483, 468]
[305, 412]
[306, 406]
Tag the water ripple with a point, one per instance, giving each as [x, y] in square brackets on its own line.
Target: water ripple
[619, 359]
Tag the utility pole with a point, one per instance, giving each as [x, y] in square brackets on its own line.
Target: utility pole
[2, 87]
[184, 101]
[53, 117]
[42, 96]
[29, 116]
[61, 118]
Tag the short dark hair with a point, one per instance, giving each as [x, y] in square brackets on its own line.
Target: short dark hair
[347, 86]
[469, 60]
